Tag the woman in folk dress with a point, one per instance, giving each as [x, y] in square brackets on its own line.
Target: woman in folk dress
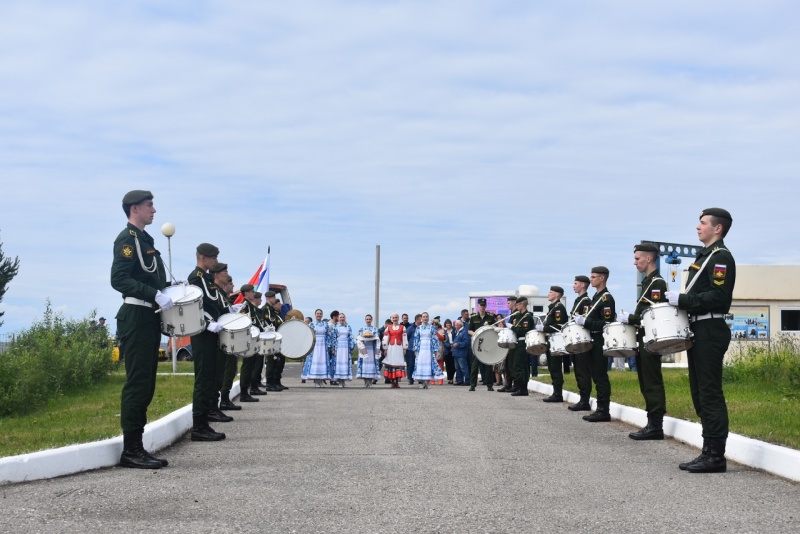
[425, 346]
[368, 343]
[317, 366]
[342, 364]
[395, 343]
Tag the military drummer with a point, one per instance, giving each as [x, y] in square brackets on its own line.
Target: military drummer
[138, 273]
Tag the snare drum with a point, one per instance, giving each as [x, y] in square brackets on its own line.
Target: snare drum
[185, 318]
[558, 348]
[506, 338]
[235, 338]
[266, 343]
[298, 338]
[666, 329]
[577, 339]
[535, 342]
[485, 347]
[619, 339]
[255, 347]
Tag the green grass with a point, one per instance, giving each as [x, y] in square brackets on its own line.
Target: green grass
[89, 414]
[758, 408]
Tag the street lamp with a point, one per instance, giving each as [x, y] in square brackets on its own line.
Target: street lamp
[168, 229]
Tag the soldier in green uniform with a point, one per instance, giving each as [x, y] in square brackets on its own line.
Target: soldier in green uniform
[522, 324]
[258, 367]
[276, 361]
[219, 274]
[231, 361]
[553, 321]
[648, 364]
[477, 320]
[582, 362]
[205, 345]
[508, 368]
[601, 312]
[137, 272]
[707, 299]
[248, 364]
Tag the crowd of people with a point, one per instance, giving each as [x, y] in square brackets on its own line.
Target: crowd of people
[425, 351]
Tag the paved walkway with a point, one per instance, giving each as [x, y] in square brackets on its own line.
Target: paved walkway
[441, 460]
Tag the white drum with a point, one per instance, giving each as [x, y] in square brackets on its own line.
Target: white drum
[535, 342]
[298, 338]
[485, 347]
[506, 338]
[558, 348]
[235, 338]
[268, 342]
[185, 318]
[666, 329]
[619, 339]
[255, 347]
[577, 339]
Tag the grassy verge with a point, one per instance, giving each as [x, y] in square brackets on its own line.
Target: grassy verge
[757, 407]
[88, 414]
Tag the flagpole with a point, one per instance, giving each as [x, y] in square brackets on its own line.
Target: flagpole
[377, 284]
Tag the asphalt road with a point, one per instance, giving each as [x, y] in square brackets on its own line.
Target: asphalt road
[409, 460]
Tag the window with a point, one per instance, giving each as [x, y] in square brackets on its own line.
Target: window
[790, 319]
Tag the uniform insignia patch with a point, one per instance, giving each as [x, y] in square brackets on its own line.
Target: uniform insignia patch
[127, 251]
[720, 271]
[606, 313]
[655, 295]
[604, 298]
[695, 267]
[132, 233]
[151, 252]
[719, 282]
[558, 315]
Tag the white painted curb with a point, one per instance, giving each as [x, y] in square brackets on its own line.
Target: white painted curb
[88, 456]
[781, 461]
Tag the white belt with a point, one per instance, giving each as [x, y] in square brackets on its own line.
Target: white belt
[712, 315]
[137, 302]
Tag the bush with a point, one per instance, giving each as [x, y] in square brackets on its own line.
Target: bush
[51, 357]
[778, 362]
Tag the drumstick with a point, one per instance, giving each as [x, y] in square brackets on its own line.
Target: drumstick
[501, 320]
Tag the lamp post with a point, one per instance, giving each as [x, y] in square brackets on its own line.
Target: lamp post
[168, 229]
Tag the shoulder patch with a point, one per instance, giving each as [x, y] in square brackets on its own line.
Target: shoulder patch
[604, 298]
[132, 233]
[720, 270]
[655, 295]
[606, 313]
[127, 252]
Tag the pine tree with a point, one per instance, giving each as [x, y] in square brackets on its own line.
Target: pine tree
[8, 270]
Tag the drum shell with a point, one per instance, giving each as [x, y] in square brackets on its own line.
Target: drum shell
[577, 339]
[484, 346]
[255, 346]
[506, 338]
[535, 342]
[619, 340]
[235, 338]
[666, 329]
[185, 317]
[558, 348]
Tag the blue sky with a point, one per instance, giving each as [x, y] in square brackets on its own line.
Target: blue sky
[483, 145]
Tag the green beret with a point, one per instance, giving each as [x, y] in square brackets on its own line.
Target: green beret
[246, 287]
[557, 289]
[600, 270]
[136, 196]
[207, 249]
[257, 295]
[482, 302]
[512, 297]
[582, 278]
[269, 294]
[218, 268]
[520, 300]
[717, 212]
[645, 247]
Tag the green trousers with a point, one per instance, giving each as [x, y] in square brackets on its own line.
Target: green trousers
[555, 366]
[711, 340]
[246, 372]
[582, 363]
[229, 373]
[205, 354]
[275, 364]
[599, 366]
[140, 333]
[651, 382]
[522, 369]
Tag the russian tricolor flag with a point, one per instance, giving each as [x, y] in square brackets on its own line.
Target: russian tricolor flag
[259, 280]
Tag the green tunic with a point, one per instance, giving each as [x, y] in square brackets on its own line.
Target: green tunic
[475, 322]
[555, 318]
[602, 311]
[521, 372]
[583, 361]
[205, 345]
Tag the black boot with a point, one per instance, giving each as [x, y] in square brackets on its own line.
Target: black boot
[278, 383]
[600, 415]
[508, 388]
[226, 404]
[202, 432]
[244, 396]
[521, 389]
[557, 396]
[582, 405]
[713, 461]
[216, 416]
[255, 391]
[653, 430]
[684, 465]
[272, 386]
[133, 453]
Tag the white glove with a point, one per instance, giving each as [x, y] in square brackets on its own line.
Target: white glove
[214, 327]
[163, 301]
[180, 283]
[580, 319]
[623, 317]
[236, 308]
[672, 297]
[540, 327]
